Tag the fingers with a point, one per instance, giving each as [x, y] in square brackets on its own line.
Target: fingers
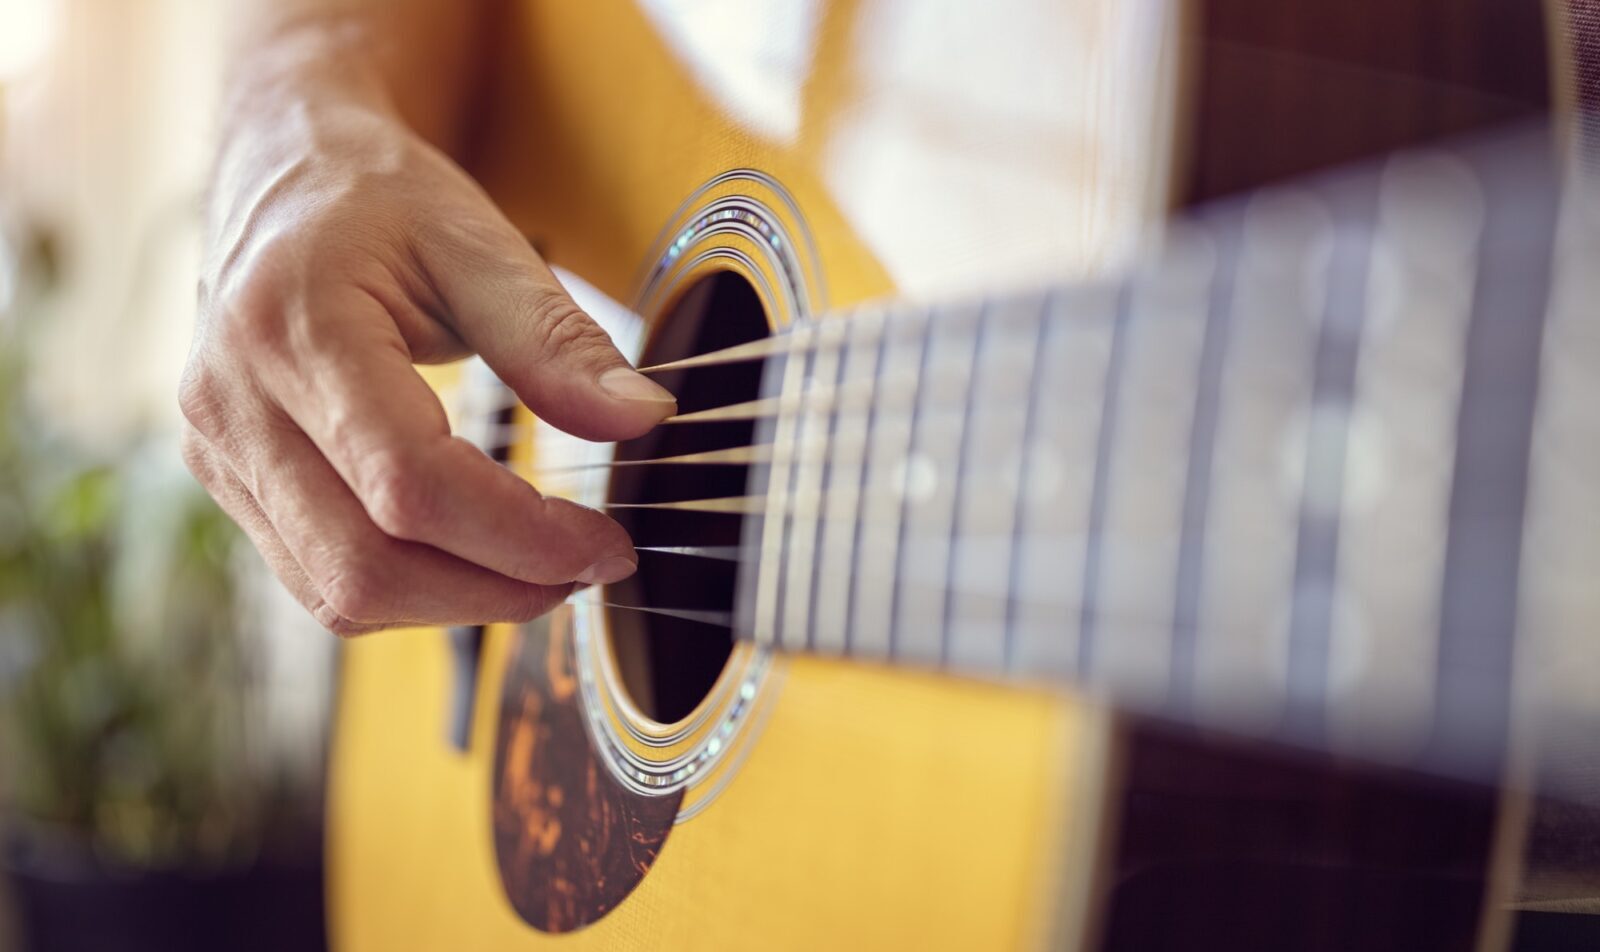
[513, 311]
[348, 573]
[317, 434]
[374, 420]
[241, 507]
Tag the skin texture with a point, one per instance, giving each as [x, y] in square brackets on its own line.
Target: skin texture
[344, 246]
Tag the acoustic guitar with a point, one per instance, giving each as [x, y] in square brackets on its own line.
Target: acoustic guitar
[1134, 488]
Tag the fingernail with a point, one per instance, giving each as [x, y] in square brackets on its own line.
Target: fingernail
[606, 571]
[625, 384]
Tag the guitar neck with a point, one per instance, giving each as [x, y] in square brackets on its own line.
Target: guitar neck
[1326, 470]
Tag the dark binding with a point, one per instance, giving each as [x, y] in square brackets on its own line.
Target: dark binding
[466, 650]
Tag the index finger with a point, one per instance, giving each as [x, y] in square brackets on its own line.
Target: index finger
[503, 300]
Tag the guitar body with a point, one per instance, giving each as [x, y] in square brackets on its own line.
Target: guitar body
[881, 149]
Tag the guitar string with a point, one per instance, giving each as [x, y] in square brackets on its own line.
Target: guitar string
[706, 617]
[754, 506]
[886, 394]
[739, 505]
[860, 397]
[784, 344]
[511, 434]
[475, 406]
[727, 619]
[739, 353]
[914, 476]
[721, 553]
[865, 330]
[868, 396]
[806, 507]
[844, 329]
[756, 453]
[758, 349]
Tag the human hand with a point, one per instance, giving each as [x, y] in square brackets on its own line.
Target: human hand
[343, 249]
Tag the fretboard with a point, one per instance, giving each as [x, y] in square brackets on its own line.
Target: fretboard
[1326, 469]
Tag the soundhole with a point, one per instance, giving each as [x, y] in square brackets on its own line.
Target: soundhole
[668, 665]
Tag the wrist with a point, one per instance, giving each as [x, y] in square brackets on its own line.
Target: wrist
[309, 67]
[307, 98]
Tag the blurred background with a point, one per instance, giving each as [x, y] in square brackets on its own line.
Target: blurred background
[163, 709]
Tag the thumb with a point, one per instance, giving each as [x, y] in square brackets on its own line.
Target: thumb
[506, 304]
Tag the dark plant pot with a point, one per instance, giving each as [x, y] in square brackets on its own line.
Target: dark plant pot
[67, 904]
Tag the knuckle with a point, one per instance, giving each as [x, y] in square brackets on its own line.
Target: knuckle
[337, 623]
[537, 601]
[199, 399]
[557, 557]
[253, 323]
[355, 592]
[560, 326]
[400, 497]
[252, 309]
[457, 236]
[196, 456]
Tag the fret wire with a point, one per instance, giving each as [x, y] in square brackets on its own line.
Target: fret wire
[769, 567]
[1495, 410]
[792, 492]
[896, 592]
[1183, 671]
[1030, 413]
[1320, 505]
[1057, 488]
[1145, 493]
[1100, 487]
[1558, 655]
[818, 473]
[796, 389]
[1417, 298]
[847, 565]
[963, 440]
[980, 574]
[872, 609]
[1261, 417]
[798, 517]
